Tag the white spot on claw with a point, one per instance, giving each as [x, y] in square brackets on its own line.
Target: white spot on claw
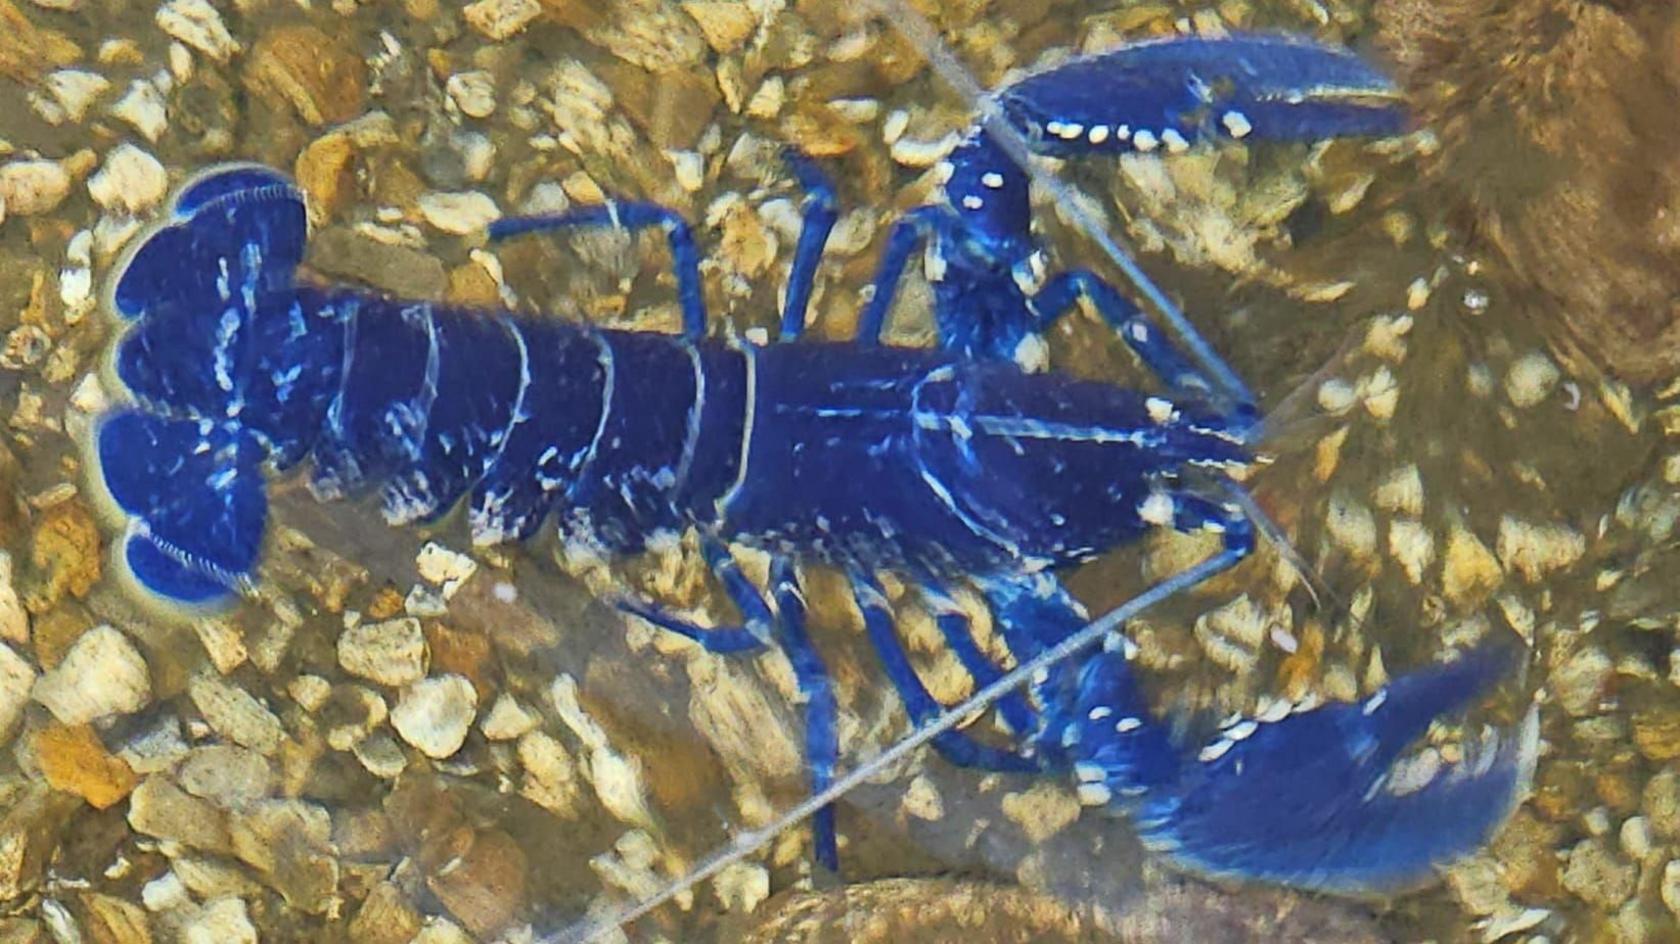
[1160, 411]
[1145, 140]
[1098, 134]
[1175, 142]
[1236, 124]
[992, 179]
[1094, 794]
[1127, 725]
[1373, 703]
[1215, 750]
[972, 202]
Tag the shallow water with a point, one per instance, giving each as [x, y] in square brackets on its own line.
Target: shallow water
[1448, 476]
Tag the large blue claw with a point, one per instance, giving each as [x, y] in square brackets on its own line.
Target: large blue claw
[1321, 798]
[1170, 93]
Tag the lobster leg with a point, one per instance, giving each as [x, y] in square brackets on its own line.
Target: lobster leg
[756, 629]
[910, 231]
[955, 746]
[817, 222]
[957, 629]
[822, 739]
[629, 215]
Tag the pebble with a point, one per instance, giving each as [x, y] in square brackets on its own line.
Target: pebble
[1580, 682]
[380, 755]
[742, 886]
[223, 921]
[501, 19]
[159, 808]
[1537, 549]
[386, 917]
[1352, 526]
[32, 187]
[1671, 886]
[1412, 546]
[441, 931]
[14, 621]
[389, 653]
[474, 93]
[458, 213]
[441, 566]
[226, 774]
[318, 76]
[1469, 571]
[142, 108]
[434, 714]
[74, 760]
[1595, 875]
[484, 886]
[1042, 810]
[68, 94]
[1232, 634]
[507, 720]
[236, 714]
[131, 181]
[551, 778]
[102, 675]
[198, 24]
[1531, 380]
[1660, 803]
[17, 676]
[726, 24]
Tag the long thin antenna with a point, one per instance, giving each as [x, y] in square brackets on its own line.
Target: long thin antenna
[919, 31]
[746, 843]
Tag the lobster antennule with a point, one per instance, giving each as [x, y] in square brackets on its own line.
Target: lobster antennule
[1322, 798]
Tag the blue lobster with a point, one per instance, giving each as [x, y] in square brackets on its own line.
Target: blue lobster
[944, 465]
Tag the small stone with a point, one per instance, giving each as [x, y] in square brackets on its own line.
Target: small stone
[1401, 492]
[14, 619]
[112, 920]
[1412, 546]
[551, 779]
[474, 93]
[458, 213]
[1671, 886]
[159, 808]
[102, 675]
[507, 720]
[386, 917]
[70, 94]
[1232, 634]
[142, 108]
[501, 19]
[227, 775]
[32, 824]
[345, 253]
[131, 181]
[28, 50]
[381, 755]
[1537, 549]
[155, 747]
[1352, 527]
[1580, 682]
[289, 843]
[199, 25]
[325, 173]
[17, 677]
[726, 25]
[29, 188]
[1660, 803]
[1469, 571]
[440, 565]
[236, 714]
[441, 931]
[434, 714]
[73, 759]
[1595, 875]
[223, 921]
[222, 643]
[1656, 733]
[484, 886]
[1531, 379]
[316, 74]
[742, 886]
[310, 692]
[389, 653]
[922, 800]
[1041, 811]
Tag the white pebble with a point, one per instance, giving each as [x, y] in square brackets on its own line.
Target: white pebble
[473, 92]
[31, 187]
[196, 23]
[102, 675]
[16, 678]
[434, 714]
[142, 108]
[131, 181]
[1530, 380]
[389, 653]
[458, 213]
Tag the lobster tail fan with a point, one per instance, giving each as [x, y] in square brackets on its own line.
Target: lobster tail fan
[192, 491]
[240, 228]
[1322, 798]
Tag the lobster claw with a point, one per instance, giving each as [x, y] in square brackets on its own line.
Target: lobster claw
[1171, 93]
[1321, 798]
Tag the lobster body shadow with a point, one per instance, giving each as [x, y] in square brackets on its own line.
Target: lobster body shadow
[945, 465]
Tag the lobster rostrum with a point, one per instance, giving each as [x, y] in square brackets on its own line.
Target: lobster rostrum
[949, 465]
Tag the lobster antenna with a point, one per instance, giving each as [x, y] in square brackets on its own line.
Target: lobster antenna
[747, 842]
[921, 33]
